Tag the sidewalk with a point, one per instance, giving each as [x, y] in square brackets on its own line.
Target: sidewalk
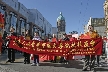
[3, 59]
[18, 66]
[5, 69]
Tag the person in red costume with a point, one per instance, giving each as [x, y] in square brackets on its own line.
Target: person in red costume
[1, 28]
[54, 39]
[11, 51]
[1, 41]
[71, 56]
[89, 35]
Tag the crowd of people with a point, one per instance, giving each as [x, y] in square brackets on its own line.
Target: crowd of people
[27, 56]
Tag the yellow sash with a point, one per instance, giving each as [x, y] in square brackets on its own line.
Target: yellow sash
[93, 34]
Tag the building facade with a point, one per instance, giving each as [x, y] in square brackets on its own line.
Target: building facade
[21, 18]
[106, 16]
[61, 26]
[99, 25]
[37, 18]
[54, 30]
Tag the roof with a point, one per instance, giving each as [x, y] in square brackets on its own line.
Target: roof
[60, 17]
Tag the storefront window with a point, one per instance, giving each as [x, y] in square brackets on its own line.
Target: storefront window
[34, 29]
[2, 11]
[27, 26]
[22, 26]
[19, 27]
[8, 23]
[13, 21]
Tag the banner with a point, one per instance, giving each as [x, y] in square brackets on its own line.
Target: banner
[62, 48]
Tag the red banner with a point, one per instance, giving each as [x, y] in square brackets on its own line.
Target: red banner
[62, 48]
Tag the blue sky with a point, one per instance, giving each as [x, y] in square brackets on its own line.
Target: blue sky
[76, 12]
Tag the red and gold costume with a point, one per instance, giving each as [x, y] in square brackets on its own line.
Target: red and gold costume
[89, 35]
[1, 31]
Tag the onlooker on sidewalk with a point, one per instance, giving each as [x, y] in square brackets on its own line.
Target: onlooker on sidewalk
[27, 55]
[36, 57]
[11, 51]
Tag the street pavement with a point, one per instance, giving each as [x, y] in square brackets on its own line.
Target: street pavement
[18, 66]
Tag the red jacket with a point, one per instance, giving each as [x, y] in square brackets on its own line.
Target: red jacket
[54, 40]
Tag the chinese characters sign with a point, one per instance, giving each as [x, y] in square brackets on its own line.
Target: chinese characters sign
[62, 48]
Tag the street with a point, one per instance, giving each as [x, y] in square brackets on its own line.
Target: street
[18, 66]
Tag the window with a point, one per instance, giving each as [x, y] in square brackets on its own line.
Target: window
[8, 24]
[106, 12]
[15, 4]
[22, 24]
[23, 9]
[27, 26]
[107, 23]
[2, 11]
[95, 20]
[13, 20]
[19, 27]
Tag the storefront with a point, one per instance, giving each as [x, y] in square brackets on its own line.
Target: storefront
[2, 22]
[13, 20]
[2, 9]
[23, 25]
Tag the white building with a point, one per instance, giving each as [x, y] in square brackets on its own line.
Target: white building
[98, 24]
[86, 26]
